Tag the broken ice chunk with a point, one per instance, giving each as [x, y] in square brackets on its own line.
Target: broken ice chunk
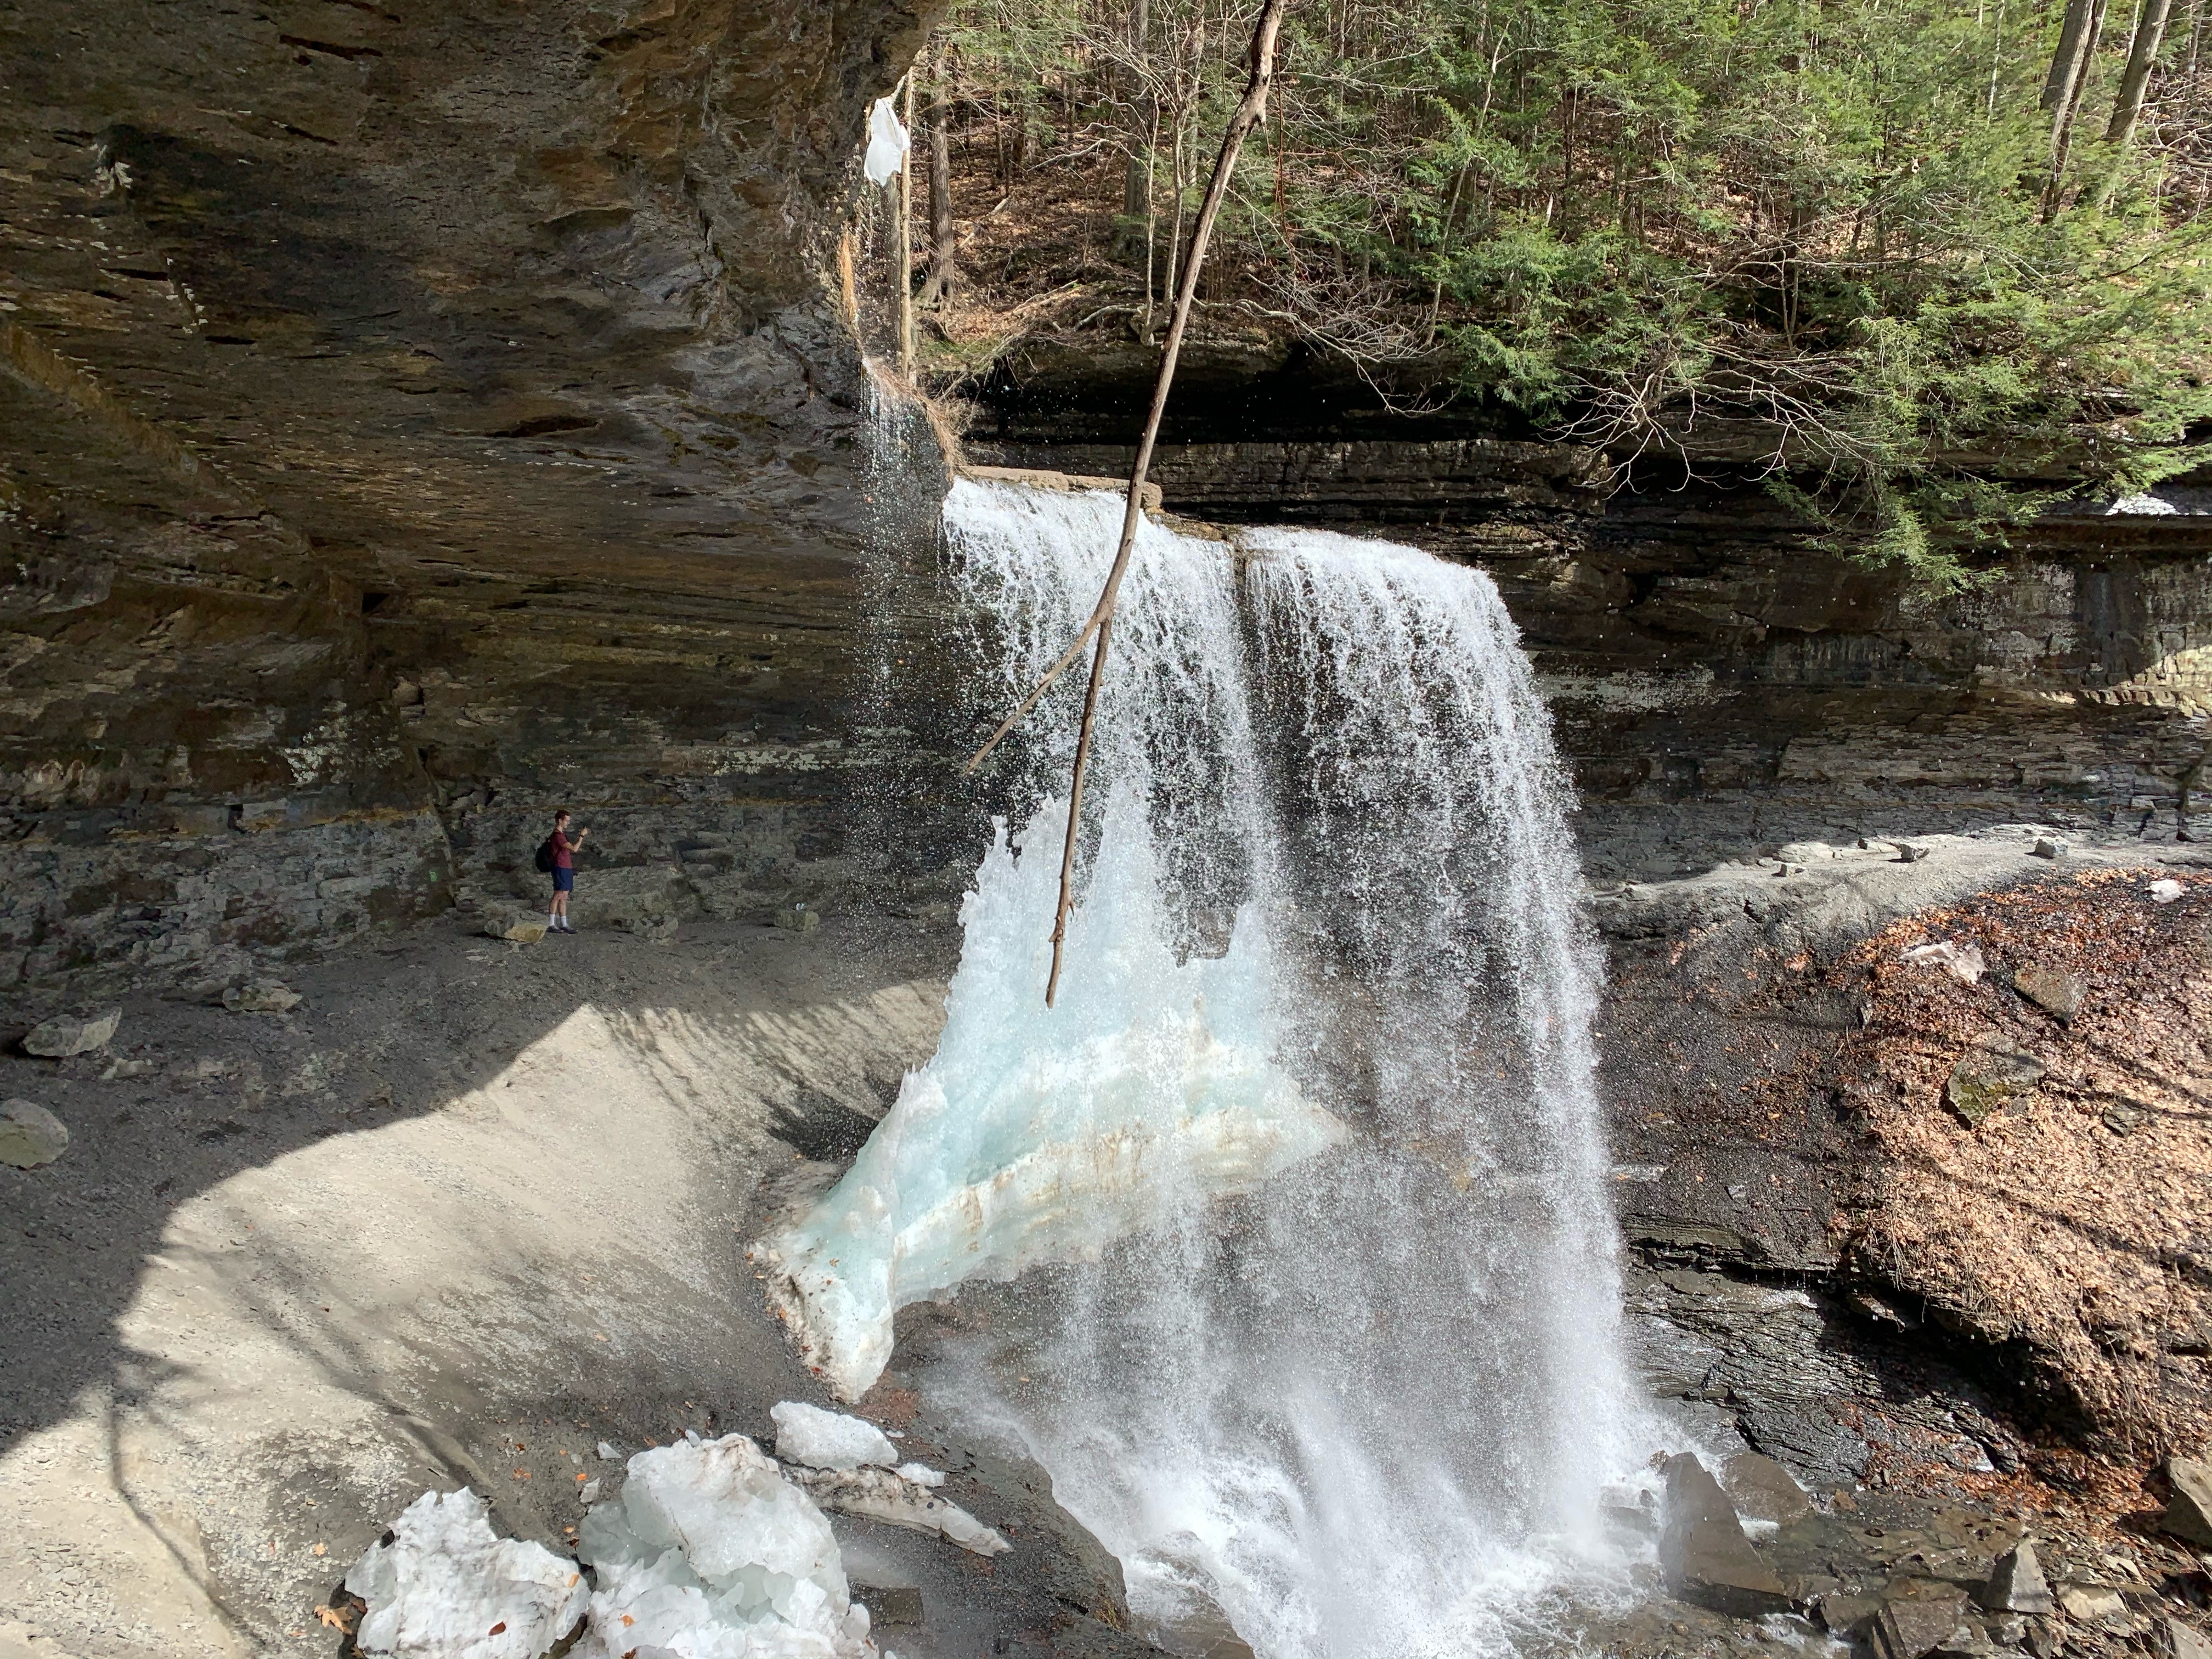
[887, 144]
[922, 1474]
[710, 1552]
[446, 1587]
[876, 1494]
[828, 1440]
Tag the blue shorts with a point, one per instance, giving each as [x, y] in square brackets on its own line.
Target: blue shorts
[565, 881]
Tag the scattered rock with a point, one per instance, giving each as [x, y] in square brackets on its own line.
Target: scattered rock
[30, 1134]
[659, 929]
[1763, 1490]
[1964, 962]
[798, 919]
[2053, 990]
[60, 1037]
[890, 1604]
[2016, 1584]
[1842, 1612]
[1707, 1559]
[1907, 853]
[2183, 1641]
[2165, 891]
[2189, 1513]
[588, 1493]
[261, 996]
[2123, 1117]
[521, 927]
[1987, 1075]
[2046, 847]
[2091, 1603]
[1625, 1518]
[122, 1071]
[1927, 1618]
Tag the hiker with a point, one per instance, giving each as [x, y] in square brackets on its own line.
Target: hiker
[559, 856]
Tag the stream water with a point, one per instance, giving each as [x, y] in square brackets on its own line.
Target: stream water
[1305, 1178]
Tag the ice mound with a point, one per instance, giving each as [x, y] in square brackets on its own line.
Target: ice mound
[1038, 1134]
[711, 1553]
[828, 1440]
[445, 1587]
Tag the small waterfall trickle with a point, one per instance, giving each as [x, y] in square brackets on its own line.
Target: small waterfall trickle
[1306, 1175]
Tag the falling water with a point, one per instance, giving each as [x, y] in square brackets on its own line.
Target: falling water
[1319, 1324]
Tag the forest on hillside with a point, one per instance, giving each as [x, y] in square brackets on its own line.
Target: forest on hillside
[1926, 248]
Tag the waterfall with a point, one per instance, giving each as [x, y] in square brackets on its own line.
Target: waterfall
[1319, 1319]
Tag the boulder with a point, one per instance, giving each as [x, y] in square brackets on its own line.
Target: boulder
[798, 919]
[2182, 1641]
[2048, 848]
[522, 927]
[1763, 1490]
[1925, 1618]
[60, 1037]
[641, 899]
[2092, 1604]
[2188, 1512]
[2051, 989]
[2016, 1584]
[1842, 1612]
[1987, 1075]
[1964, 962]
[2165, 891]
[261, 996]
[890, 1604]
[1707, 1559]
[30, 1134]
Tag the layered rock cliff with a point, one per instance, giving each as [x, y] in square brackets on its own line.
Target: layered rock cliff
[413, 417]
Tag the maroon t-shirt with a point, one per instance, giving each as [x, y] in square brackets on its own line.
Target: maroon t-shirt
[564, 851]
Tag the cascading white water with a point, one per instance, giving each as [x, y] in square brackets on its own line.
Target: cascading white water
[1331, 1342]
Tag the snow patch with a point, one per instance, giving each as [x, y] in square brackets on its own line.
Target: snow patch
[828, 1440]
[445, 1587]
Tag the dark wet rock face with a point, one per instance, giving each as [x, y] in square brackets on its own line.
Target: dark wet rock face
[410, 419]
[1721, 688]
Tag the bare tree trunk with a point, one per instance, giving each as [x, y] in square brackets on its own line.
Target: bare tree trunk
[937, 291]
[1249, 112]
[2066, 62]
[2062, 126]
[1137, 177]
[2142, 52]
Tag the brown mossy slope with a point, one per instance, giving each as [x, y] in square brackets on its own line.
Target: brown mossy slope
[2073, 1227]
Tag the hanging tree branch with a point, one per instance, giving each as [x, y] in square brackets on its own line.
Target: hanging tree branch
[1248, 114]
